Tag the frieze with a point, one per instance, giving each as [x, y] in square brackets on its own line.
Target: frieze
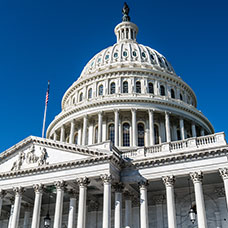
[30, 156]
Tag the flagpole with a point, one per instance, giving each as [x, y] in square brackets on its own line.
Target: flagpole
[45, 109]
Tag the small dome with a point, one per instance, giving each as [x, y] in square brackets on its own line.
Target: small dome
[127, 52]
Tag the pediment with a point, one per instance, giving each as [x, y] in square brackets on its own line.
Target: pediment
[34, 152]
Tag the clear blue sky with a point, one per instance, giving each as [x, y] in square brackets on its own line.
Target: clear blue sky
[43, 40]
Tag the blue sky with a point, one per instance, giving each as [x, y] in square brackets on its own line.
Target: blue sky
[53, 40]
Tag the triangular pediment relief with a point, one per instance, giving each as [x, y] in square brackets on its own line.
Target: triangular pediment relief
[35, 152]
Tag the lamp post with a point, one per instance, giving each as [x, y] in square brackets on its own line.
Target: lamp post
[192, 211]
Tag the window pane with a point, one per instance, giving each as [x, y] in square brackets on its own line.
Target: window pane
[111, 133]
[100, 90]
[125, 87]
[138, 87]
[172, 93]
[81, 96]
[113, 88]
[126, 134]
[140, 134]
[90, 93]
[162, 90]
[151, 88]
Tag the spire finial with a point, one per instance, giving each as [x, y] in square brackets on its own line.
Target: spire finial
[125, 12]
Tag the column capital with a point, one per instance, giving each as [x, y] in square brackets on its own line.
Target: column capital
[106, 178]
[133, 110]
[223, 173]
[116, 110]
[72, 121]
[85, 116]
[151, 110]
[83, 181]
[168, 180]
[100, 112]
[196, 177]
[143, 183]
[118, 187]
[18, 191]
[38, 188]
[60, 185]
[2, 193]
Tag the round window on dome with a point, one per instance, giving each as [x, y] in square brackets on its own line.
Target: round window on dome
[106, 57]
[125, 54]
[115, 55]
[134, 53]
[99, 60]
[151, 56]
[143, 54]
[92, 64]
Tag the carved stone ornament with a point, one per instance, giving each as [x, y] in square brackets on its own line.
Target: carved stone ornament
[60, 185]
[143, 183]
[2, 193]
[18, 163]
[83, 181]
[42, 160]
[118, 187]
[31, 157]
[224, 173]
[18, 191]
[196, 177]
[169, 180]
[106, 178]
[38, 188]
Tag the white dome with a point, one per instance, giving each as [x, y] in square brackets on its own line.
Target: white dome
[127, 52]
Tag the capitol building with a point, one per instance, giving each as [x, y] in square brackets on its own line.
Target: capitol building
[129, 149]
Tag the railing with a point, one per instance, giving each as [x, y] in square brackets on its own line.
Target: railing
[189, 144]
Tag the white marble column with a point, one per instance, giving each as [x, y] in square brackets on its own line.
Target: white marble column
[38, 188]
[224, 174]
[2, 194]
[60, 187]
[100, 119]
[84, 132]
[171, 210]
[128, 210]
[167, 127]
[26, 218]
[193, 130]
[55, 136]
[151, 127]
[62, 134]
[134, 127]
[200, 205]
[116, 127]
[83, 183]
[144, 222]
[72, 129]
[107, 179]
[72, 209]
[79, 135]
[17, 206]
[118, 205]
[182, 129]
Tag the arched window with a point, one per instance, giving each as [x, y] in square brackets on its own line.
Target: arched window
[90, 93]
[172, 94]
[126, 134]
[96, 135]
[156, 134]
[151, 87]
[100, 92]
[141, 134]
[111, 133]
[81, 96]
[125, 87]
[162, 90]
[112, 88]
[181, 97]
[138, 87]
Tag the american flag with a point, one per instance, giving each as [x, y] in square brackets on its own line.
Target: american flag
[47, 93]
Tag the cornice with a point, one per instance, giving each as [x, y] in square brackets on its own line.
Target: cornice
[50, 143]
[124, 99]
[174, 159]
[114, 159]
